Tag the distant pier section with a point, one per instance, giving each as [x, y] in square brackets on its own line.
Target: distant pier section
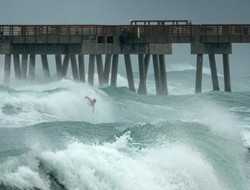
[103, 45]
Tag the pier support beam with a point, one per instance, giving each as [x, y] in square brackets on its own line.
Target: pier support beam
[157, 74]
[213, 69]
[142, 89]
[198, 80]
[65, 65]
[107, 67]
[45, 64]
[74, 67]
[129, 72]
[91, 69]
[7, 66]
[99, 65]
[32, 65]
[146, 60]
[17, 66]
[81, 67]
[211, 49]
[24, 66]
[58, 58]
[114, 69]
[227, 81]
[163, 75]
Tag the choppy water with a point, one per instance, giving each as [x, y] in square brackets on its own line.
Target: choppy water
[50, 139]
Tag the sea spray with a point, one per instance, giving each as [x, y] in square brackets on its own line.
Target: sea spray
[119, 165]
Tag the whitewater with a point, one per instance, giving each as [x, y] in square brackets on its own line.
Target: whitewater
[51, 140]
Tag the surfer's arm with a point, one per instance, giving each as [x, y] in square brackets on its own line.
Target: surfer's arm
[86, 97]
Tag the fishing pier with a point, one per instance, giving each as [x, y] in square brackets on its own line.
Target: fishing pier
[151, 40]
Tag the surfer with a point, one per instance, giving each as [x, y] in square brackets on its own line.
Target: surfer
[91, 103]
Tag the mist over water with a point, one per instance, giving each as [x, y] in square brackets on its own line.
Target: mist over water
[50, 139]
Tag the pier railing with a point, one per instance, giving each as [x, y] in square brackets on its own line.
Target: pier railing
[184, 33]
[66, 30]
[225, 33]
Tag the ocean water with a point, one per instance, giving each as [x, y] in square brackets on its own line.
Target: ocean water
[51, 140]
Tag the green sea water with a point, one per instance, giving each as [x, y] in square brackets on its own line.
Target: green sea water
[51, 140]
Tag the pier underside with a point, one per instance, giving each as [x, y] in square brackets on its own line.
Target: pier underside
[104, 59]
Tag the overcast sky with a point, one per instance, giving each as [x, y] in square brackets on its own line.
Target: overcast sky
[121, 11]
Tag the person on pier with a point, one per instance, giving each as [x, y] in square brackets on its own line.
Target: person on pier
[91, 103]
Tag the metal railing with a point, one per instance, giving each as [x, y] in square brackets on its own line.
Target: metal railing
[207, 33]
[159, 22]
[236, 29]
[56, 30]
[156, 30]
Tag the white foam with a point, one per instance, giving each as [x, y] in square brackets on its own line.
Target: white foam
[246, 137]
[37, 105]
[23, 173]
[25, 178]
[120, 166]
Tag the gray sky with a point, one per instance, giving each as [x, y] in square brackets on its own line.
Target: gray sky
[121, 11]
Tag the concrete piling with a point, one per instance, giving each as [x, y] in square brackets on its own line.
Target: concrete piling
[65, 65]
[146, 60]
[142, 89]
[7, 66]
[81, 67]
[45, 64]
[213, 69]
[198, 79]
[107, 67]
[74, 67]
[32, 65]
[163, 75]
[157, 74]
[111, 65]
[227, 80]
[17, 66]
[99, 65]
[129, 72]
[114, 70]
[91, 69]
[59, 72]
[24, 66]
